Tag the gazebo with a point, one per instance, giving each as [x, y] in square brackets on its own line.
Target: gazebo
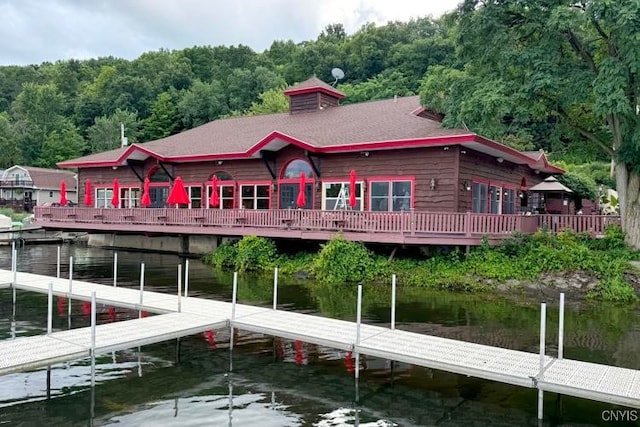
[552, 197]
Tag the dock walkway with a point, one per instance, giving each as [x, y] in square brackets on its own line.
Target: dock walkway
[598, 382]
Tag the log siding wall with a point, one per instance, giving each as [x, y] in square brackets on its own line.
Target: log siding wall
[449, 167]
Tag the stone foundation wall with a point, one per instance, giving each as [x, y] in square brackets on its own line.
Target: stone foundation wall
[195, 245]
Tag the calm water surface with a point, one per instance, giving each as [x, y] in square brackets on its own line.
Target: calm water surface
[278, 382]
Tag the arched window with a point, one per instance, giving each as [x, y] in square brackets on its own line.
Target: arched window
[157, 174]
[289, 187]
[295, 168]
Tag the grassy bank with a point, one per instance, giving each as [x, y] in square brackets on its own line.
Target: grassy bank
[519, 258]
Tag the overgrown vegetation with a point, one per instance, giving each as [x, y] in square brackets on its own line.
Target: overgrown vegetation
[15, 216]
[521, 257]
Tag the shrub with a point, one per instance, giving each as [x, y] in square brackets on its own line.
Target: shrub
[614, 289]
[342, 261]
[224, 257]
[255, 254]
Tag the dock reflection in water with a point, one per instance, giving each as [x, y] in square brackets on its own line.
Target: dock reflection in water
[283, 382]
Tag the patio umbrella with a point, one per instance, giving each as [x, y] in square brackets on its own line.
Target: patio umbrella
[87, 193]
[215, 199]
[178, 195]
[352, 188]
[63, 193]
[302, 197]
[115, 198]
[146, 198]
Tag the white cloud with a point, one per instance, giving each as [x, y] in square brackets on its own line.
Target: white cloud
[34, 31]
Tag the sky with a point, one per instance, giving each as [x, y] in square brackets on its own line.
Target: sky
[35, 31]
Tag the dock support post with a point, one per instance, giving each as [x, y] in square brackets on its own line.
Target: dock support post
[543, 326]
[70, 286]
[141, 289]
[234, 297]
[93, 339]
[179, 288]
[14, 279]
[115, 269]
[393, 302]
[358, 321]
[50, 308]
[14, 264]
[186, 278]
[561, 328]
[58, 263]
[275, 288]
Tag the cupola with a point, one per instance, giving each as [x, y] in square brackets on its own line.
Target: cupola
[312, 95]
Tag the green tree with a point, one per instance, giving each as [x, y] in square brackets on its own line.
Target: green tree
[164, 117]
[202, 103]
[561, 70]
[271, 101]
[105, 133]
[11, 154]
[60, 145]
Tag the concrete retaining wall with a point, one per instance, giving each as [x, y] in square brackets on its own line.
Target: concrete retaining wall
[196, 245]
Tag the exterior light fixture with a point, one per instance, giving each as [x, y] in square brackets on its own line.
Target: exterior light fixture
[365, 153]
[466, 185]
[500, 159]
[219, 162]
[432, 184]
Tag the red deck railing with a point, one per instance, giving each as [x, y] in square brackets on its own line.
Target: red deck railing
[407, 223]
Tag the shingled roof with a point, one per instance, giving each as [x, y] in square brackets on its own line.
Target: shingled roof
[373, 125]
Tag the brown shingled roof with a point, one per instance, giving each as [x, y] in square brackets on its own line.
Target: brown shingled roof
[50, 178]
[313, 83]
[368, 122]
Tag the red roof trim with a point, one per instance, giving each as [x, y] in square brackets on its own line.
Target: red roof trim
[380, 145]
[313, 89]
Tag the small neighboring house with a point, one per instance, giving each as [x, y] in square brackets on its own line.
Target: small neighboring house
[32, 186]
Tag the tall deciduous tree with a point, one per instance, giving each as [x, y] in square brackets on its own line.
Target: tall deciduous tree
[564, 70]
[105, 133]
[11, 154]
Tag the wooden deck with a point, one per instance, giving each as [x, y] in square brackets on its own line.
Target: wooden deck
[376, 227]
[602, 383]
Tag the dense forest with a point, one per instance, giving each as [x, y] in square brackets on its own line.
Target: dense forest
[556, 75]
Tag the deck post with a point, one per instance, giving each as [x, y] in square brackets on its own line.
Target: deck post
[179, 288]
[115, 269]
[58, 263]
[141, 289]
[70, 286]
[543, 325]
[93, 339]
[561, 328]
[275, 288]
[234, 297]
[186, 278]
[49, 308]
[14, 263]
[358, 321]
[393, 302]
[467, 224]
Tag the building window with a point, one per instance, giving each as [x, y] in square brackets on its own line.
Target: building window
[103, 197]
[295, 168]
[479, 192]
[226, 194]
[509, 200]
[129, 197]
[195, 196]
[495, 198]
[335, 195]
[255, 196]
[391, 196]
[50, 193]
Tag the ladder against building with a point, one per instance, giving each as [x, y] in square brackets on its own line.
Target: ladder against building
[342, 203]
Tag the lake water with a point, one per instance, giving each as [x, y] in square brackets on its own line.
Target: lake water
[278, 382]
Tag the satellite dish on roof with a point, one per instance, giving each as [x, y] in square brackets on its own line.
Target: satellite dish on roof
[337, 74]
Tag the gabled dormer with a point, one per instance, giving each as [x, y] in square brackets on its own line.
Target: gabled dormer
[312, 95]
